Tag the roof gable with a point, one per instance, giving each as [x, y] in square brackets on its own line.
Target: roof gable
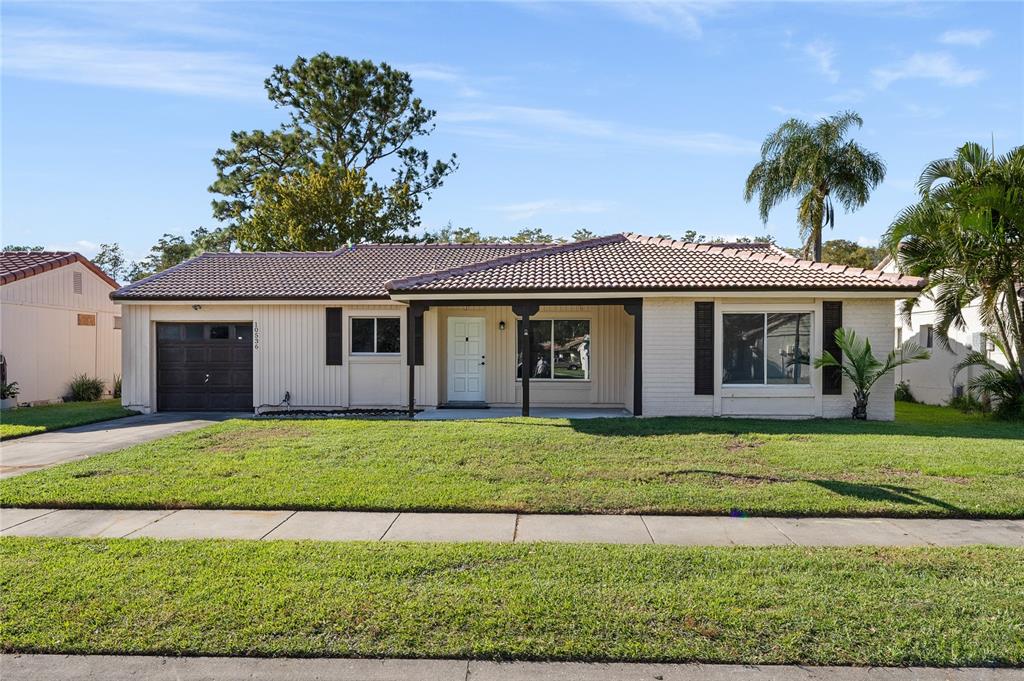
[631, 262]
[17, 265]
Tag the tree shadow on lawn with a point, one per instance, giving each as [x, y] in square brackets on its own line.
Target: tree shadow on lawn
[672, 425]
[894, 494]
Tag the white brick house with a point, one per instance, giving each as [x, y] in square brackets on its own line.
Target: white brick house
[654, 326]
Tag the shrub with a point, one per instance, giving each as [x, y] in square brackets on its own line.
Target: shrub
[968, 403]
[903, 393]
[86, 388]
[117, 385]
[9, 390]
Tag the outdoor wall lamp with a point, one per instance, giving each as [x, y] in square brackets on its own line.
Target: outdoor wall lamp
[501, 326]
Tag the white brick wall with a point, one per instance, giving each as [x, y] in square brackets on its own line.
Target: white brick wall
[668, 360]
[669, 369]
[871, 319]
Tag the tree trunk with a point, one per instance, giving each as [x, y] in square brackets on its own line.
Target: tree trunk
[817, 245]
[860, 406]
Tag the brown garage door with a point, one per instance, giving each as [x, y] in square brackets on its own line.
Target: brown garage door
[204, 367]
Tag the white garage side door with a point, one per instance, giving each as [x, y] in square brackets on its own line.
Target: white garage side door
[466, 359]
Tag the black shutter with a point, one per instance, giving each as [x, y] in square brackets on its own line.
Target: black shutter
[418, 339]
[832, 319]
[335, 346]
[704, 349]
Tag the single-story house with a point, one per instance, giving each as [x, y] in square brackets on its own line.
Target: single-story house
[933, 380]
[57, 321]
[650, 325]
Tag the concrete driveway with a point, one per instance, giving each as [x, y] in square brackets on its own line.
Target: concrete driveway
[49, 449]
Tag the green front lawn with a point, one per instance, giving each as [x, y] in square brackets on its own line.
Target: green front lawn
[32, 420]
[743, 605]
[930, 462]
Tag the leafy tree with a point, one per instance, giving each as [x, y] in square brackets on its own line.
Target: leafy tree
[583, 234]
[862, 368]
[530, 236]
[12, 247]
[693, 236]
[966, 236]
[347, 120]
[843, 252]
[111, 260]
[814, 163]
[452, 235]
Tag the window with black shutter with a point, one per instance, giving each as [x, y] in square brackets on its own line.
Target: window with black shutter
[335, 346]
[704, 349]
[832, 319]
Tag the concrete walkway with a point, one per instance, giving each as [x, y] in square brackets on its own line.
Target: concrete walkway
[119, 668]
[512, 412]
[509, 527]
[49, 449]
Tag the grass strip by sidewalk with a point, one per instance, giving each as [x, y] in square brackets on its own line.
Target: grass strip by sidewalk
[931, 461]
[563, 602]
[15, 423]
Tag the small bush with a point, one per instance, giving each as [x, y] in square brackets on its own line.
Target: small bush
[86, 388]
[903, 393]
[9, 390]
[969, 404]
[117, 385]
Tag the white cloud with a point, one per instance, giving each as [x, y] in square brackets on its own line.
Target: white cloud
[526, 210]
[868, 241]
[86, 248]
[76, 58]
[823, 55]
[970, 37]
[851, 96]
[525, 123]
[799, 113]
[938, 66]
[680, 18]
[442, 74]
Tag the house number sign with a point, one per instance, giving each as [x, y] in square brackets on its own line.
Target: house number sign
[255, 336]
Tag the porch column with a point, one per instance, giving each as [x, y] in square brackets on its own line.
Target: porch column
[524, 311]
[412, 313]
[636, 310]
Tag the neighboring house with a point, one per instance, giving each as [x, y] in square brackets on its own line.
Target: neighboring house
[651, 325]
[57, 321]
[932, 380]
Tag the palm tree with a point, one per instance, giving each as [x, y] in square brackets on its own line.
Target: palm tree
[814, 163]
[966, 235]
[860, 365]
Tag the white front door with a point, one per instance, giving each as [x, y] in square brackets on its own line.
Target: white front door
[466, 359]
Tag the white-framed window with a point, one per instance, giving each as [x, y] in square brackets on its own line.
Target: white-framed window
[376, 335]
[766, 348]
[560, 347]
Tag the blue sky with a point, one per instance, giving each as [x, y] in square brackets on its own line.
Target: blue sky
[641, 117]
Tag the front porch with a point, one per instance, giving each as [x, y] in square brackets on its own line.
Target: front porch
[582, 356]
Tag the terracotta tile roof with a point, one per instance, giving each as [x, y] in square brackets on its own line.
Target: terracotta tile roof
[357, 272]
[630, 262]
[621, 262]
[15, 265]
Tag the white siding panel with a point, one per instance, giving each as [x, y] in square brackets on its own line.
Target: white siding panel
[42, 341]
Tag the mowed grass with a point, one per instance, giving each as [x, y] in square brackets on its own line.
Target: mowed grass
[561, 602]
[930, 462]
[32, 420]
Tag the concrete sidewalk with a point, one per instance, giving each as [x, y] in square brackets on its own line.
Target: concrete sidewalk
[509, 527]
[119, 668]
[49, 449]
